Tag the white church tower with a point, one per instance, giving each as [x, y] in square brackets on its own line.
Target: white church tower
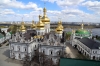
[46, 21]
[40, 27]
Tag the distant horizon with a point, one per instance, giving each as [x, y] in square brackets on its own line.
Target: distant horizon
[66, 10]
[51, 21]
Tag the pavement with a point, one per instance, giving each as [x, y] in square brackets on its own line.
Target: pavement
[4, 58]
[73, 52]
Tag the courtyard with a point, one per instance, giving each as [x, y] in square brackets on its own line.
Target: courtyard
[73, 52]
[4, 58]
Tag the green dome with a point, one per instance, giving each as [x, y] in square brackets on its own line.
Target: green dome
[82, 32]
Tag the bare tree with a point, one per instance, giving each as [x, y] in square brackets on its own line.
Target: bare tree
[26, 61]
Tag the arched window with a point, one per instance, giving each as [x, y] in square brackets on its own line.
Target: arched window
[12, 47]
[13, 55]
[51, 52]
[35, 46]
[19, 56]
[25, 48]
[43, 51]
[18, 48]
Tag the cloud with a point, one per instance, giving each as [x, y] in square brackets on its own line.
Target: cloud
[19, 5]
[7, 12]
[65, 3]
[92, 5]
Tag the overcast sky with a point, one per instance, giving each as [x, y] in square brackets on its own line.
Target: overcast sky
[67, 10]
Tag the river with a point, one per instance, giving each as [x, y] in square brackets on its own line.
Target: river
[95, 31]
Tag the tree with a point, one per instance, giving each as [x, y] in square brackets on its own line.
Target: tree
[41, 58]
[9, 29]
[26, 61]
[96, 36]
[4, 33]
[14, 29]
[68, 35]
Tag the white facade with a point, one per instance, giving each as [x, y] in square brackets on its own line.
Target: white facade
[40, 31]
[19, 50]
[4, 29]
[90, 53]
[59, 35]
[47, 28]
[52, 48]
[4, 38]
[8, 35]
[19, 47]
[52, 52]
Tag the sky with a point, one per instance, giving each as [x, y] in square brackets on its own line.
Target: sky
[65, 10]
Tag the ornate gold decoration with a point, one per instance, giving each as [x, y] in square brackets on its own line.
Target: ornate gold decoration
[40, 24]
[33, 25]
[45, 19]
[22, 27]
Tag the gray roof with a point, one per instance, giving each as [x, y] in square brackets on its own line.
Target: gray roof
[90, 43]
[29, 34]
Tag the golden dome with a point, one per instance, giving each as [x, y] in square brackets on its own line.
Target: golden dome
[22, 27]
[33, 25]
[60, 24]
[40, 24]
[45, 19]
[58, 30]
[38, 36]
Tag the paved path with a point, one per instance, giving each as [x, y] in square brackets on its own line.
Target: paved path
[73, 52]
[4, 56]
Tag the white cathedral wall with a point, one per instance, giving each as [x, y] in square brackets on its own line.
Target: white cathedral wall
[48, 52]
[41, 32]
[47, 28]
[22, 51]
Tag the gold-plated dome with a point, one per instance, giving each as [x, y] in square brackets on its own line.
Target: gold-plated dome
[60, 24]
[22, 27]
[58, 30]
[33, 25]
[40, 24]
[38, 36]
[45, 19]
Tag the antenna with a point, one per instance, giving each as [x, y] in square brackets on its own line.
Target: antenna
[22, 18]
[44, 4]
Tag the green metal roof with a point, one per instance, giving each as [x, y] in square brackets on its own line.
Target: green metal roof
[1, 35]
[69, 32]
[82, 32]
[10, 32]
[78, 62]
